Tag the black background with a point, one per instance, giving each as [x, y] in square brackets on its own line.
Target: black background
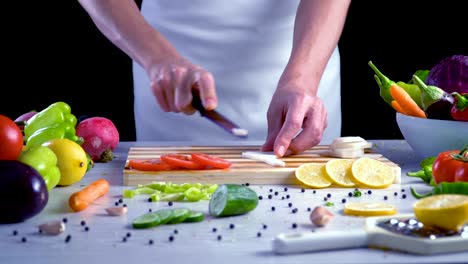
[52, 51]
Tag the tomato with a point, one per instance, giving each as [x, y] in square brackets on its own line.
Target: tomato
[451, 166]
[182, 161]
[150, 165]
[11, 139]
[210, 161]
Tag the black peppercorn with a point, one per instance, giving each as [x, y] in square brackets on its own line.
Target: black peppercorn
[151, 242]
[24, 240]
[260, 197]
[171, 238]
[285, 189]
[290, 204]
[214, 229]
[231, 226]
[220, 237]
[169, 203]
[294, 225]
[83, 223]
[68, 238]
[273, 208]
[15, 232]
[259, 234]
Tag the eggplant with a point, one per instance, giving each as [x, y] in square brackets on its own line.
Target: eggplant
[23, 192]
[436, 102]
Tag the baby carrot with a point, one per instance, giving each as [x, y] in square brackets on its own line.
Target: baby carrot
[406, 102]
[80, 200]
[398, 107]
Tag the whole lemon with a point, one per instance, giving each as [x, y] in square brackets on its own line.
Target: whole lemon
[71, 160]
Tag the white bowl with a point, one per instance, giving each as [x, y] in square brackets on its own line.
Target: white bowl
[429, 137]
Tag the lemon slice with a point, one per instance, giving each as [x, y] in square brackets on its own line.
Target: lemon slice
[339, 171]
[372, 173]
[313, 175]
[369, 209]
[446, 211]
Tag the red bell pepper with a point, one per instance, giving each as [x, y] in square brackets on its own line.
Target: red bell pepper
[451, 166]
[459, 109]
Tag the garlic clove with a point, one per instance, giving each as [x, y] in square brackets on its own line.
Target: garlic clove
[52, 228]
[117, 210]
[320, 216]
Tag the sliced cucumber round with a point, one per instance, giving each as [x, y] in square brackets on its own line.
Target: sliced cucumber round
[232, 199]
[147, 220]
[165, 215]
[195, 217]
[179, 215]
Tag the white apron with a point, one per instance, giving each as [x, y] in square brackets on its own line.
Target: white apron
[245, 44]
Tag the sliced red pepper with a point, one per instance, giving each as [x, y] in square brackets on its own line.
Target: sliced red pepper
[210, 161]
[183, 161]
[150, 165]
[459, 109]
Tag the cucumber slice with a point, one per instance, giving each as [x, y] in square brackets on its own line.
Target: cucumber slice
[232, 199]
[147, 220]
[165, 215]
[179, 215]
[195, 217]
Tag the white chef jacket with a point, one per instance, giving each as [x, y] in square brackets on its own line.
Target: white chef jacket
[246, 45]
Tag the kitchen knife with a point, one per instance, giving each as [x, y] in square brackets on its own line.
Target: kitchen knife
[217, 118]
[399, 232]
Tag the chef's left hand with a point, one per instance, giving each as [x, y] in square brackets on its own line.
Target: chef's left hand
[291, 109]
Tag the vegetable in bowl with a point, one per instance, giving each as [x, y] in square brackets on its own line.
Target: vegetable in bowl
[450, 74]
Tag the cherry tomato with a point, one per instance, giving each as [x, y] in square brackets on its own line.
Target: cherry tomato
[451, 166]
[150, 165]
[210, 161]
[11, 139]
[182, 161]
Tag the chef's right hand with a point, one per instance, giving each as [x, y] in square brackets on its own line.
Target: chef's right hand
[172, 80]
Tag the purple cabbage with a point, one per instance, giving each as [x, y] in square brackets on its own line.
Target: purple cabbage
[450, 74]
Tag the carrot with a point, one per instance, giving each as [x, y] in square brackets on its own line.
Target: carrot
[405, 101]
[80, 200]
[398, 107]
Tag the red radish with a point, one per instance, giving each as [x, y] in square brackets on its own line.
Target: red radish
[100, 138]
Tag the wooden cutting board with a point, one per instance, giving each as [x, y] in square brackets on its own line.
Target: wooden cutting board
[242, 170]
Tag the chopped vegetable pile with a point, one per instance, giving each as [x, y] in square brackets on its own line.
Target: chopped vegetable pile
[166, 191]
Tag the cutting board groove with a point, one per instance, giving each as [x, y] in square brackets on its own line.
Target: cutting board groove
[242, 170]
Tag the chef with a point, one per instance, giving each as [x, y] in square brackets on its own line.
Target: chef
[273, 67]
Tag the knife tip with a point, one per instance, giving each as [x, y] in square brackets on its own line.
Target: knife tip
[240, 132]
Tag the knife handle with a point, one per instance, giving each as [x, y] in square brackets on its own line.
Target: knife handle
[196, 101]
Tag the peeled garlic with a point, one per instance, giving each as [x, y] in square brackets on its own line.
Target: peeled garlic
[117, 210]
[320, 216]
[52, 228]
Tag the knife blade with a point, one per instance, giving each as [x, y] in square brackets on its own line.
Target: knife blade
[217, 118]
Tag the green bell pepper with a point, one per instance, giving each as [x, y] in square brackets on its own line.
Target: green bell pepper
[54, 131]
[58, 112]
[444, 188]
[44, 160]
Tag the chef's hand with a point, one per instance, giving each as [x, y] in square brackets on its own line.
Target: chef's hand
[172, 80]
[292, 108]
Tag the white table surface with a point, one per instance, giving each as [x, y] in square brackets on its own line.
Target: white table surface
[195, 242]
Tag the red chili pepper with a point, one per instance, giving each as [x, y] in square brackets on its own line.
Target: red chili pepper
[459, 109]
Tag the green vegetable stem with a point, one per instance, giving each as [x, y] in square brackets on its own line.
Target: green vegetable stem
[58, 112]
[429, 94]
[384, 83]
[444, 188]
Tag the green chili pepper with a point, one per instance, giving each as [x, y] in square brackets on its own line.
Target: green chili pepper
[425, 173]
[444, 188]
[55, 113]
[54, 131]
[384, 84]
